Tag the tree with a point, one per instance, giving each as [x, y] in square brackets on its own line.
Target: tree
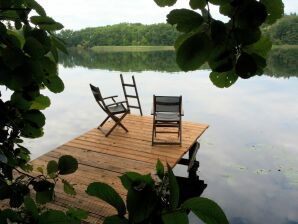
[233, 49]
[28, 64]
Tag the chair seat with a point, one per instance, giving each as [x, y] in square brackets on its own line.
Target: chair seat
[119, 108]
[167, 117]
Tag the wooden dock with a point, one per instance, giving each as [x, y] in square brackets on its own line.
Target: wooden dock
[104, 159]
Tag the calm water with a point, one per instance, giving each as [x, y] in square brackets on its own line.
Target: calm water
[248, 156]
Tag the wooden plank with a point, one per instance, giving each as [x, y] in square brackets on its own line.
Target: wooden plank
[104, 159]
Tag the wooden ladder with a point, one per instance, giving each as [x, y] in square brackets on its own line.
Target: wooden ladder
[127, 96]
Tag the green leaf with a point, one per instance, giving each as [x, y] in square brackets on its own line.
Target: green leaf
[5, 191]
[31, 207]
[132, 179]
[262, 47]
[218, 31]
[3, 158]
[174, 189]
[141, 202]
[197, 4]
[53, 217]
[19, 101]
[163, 3]
[251, 15]
[108, 194]
[68, 188]
[8, 216]
[221, 59]
[185, 19]
[160, 169]
[223, 80]
[115, 219]
[77, 213]
[275, 10]
[40, 103]
[37, 7]
[226, 9]
[67, 165]
[44, 191]
[52, 167]
[59, 44]
[175, 217]
[54, 83]
[206, 210]
[35, 118]
[219, 2]
[193, 52]
[34, 48]
[46, 23]
[246, 66]
[245, 39]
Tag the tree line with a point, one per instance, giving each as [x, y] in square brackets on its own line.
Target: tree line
[285, 31]
[123, 34]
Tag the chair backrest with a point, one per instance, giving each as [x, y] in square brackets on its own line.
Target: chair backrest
[170, 104]
[98, 97]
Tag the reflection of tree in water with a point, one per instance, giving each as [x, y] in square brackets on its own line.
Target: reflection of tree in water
[122, 61]
[281, 63]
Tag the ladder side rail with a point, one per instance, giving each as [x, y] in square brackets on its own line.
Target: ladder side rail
[136, 90]
[124, 91]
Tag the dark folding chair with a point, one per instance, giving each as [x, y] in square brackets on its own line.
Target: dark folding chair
[167, 113]
[112, 109]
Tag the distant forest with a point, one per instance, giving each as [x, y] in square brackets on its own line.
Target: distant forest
[284, 32]
[123, 34]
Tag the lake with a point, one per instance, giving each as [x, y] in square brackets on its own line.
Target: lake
[248, 156]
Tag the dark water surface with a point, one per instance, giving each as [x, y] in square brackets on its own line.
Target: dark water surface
[248, 156]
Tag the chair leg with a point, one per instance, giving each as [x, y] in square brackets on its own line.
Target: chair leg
[153, 132]
[117, 122]
[180, 131]
[120, 119]
[104, 121]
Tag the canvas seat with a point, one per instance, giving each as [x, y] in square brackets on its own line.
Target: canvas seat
[167, 112]
[112, 110]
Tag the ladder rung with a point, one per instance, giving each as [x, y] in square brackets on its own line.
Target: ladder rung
[134, 107]
[130, 85]
[131, 96]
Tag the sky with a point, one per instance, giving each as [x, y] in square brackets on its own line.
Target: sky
[77, 14]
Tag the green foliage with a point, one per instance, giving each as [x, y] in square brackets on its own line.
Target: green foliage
[185, 19]
[175, 217]
[68, 188]
[206, 209]
[154, 201]
[108, 194]
[123, 34]
[67, 165]
[229, 48]
[28, 63]
[284, 31]
[163, 3]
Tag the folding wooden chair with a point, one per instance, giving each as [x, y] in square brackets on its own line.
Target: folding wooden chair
[112, 109]
[167, 113]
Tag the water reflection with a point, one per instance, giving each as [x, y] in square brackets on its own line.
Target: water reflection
[249, 154]
[281, 62]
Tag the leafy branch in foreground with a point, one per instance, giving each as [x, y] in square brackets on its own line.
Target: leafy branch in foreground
[232, 49]
[28, 64]
[24, 209]
[154, 200]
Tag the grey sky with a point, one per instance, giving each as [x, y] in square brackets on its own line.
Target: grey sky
[77, 14]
